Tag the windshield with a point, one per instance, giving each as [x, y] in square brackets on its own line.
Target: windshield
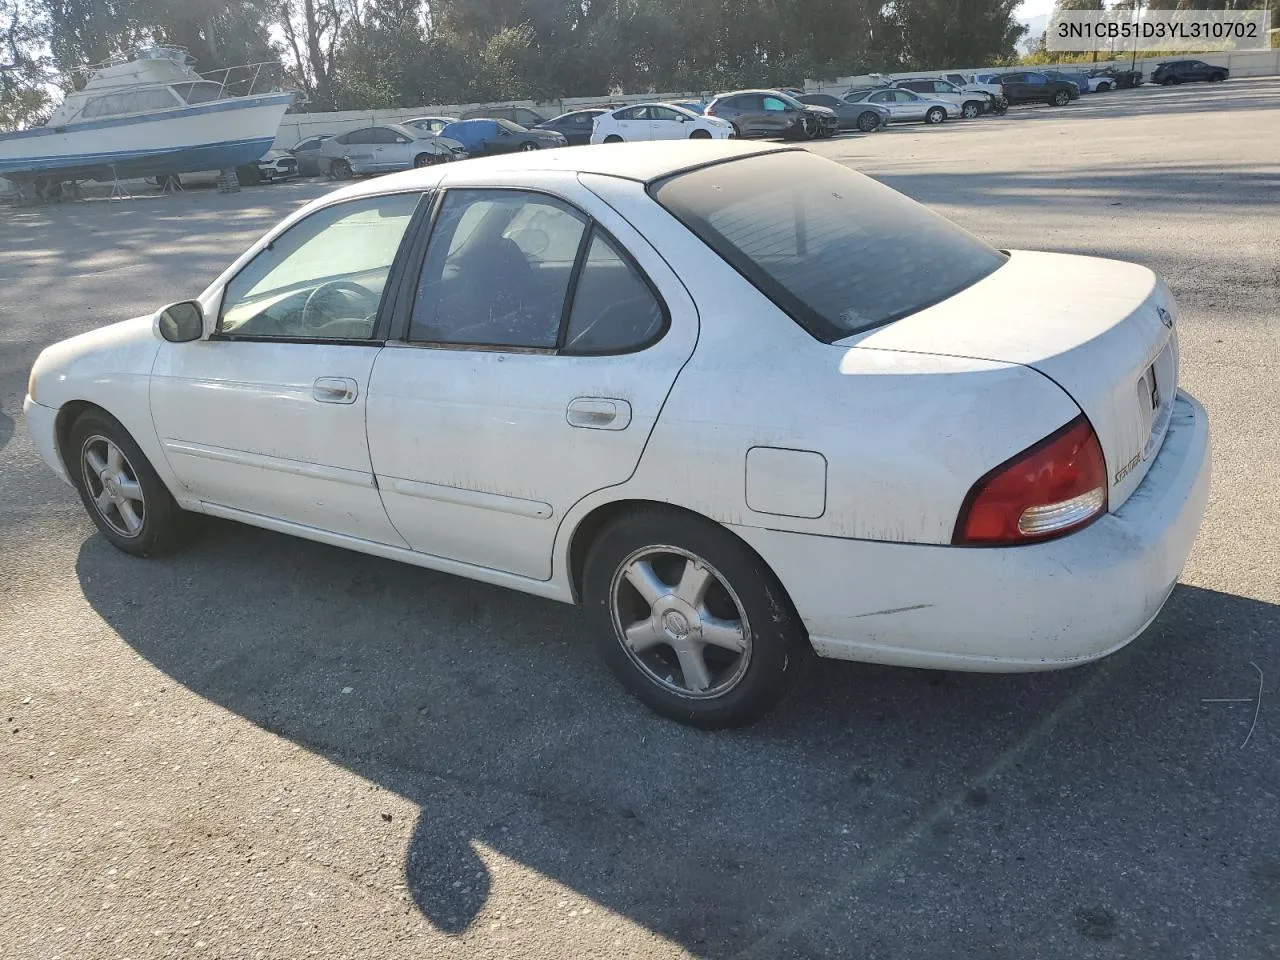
[835, 250]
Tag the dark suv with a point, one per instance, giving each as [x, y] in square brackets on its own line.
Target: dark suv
[772, 113]
[1184, 71]
[1032, 87]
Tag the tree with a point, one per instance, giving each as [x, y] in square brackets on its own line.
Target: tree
[24, 81]
[937, 32]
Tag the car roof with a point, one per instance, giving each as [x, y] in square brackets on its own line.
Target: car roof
[640, 161]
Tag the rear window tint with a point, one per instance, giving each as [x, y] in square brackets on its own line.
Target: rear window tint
[835, 250]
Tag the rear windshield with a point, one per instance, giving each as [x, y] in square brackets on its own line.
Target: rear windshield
[837, 251]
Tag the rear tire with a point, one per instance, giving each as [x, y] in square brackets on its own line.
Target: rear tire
[126, 499]
[868, 122]
[935, 116]
[714, 641]
[613, 138]
[700, 135]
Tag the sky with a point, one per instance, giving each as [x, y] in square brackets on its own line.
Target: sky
[1033, 8]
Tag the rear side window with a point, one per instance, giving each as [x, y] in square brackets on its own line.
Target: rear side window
[613, 310]
[835, 250]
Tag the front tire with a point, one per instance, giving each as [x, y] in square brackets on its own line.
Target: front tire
[1218, 78]
[425, 160]
[613, 138]
[1104, 87]
[935, 116]
[1061, 98]
[341, 170]
[691, 620]
[970, 110]
[122, 493]
[528, 147]
[700, 135]
[868, 122]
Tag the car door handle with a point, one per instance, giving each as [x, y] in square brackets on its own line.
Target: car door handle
[335, 390]
[598, 413]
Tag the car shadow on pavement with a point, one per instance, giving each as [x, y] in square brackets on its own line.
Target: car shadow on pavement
[1020, 806]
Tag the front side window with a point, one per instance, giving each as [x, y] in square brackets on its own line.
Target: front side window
[663, 113]
[1037, 79]
[885, 97]
[497, 270]
[774, 105]
[322, 278]
[905, 96]
[836, 251]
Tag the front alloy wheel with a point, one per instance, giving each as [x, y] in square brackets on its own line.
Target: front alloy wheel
[970, 110]
[113, 487]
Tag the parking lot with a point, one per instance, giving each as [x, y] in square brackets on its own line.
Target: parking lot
[263, 747]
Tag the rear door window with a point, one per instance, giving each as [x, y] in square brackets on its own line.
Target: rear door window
[836, 251]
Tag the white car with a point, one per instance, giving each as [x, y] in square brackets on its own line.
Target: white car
[658, 121]
[972, 103]
[739, 402]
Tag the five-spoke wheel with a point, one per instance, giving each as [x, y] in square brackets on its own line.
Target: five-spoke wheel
[113, 486]
[690, 619]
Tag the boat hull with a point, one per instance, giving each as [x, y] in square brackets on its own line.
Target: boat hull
[210, 136]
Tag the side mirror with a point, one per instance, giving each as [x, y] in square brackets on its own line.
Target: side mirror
[182, 322]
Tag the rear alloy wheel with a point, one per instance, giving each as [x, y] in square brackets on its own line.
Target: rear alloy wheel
[1061, 98]
[613, 138]
[690, 620]
[868, 122]
[528, 147]
[970, 110]
[935, 115]
[125, 498]
[340, 170]
[700, 135]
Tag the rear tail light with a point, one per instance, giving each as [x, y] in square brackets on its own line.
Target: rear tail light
[1052, 488]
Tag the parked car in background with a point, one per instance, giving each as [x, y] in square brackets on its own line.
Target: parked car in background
[658, 121]
[273, 165]
[693, 106]
[521, 115]
[949, 456]
[972, 103]
[485, 137]
[973, 84]
[864, 117]
[576, 125]
[383, 148]
[432, 125]
[1188, 71]
[1033, 87]
[307, 153]
[771, 113]
[906, 106]
[1079, 80]
[1110, 78]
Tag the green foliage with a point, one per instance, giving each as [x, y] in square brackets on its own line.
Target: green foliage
[364, 54]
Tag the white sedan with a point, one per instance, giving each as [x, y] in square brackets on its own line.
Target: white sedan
[739, 402]
[658, 121]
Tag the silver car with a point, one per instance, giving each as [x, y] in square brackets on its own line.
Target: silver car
[384, 148]
[905, 106]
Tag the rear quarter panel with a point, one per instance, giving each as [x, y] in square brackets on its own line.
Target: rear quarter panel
[904, 435]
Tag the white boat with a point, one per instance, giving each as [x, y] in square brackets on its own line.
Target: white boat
[150, 115]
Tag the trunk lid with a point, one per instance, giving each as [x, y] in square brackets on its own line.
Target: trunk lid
[1103, 330]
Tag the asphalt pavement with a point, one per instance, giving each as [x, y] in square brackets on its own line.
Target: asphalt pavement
[263, 747]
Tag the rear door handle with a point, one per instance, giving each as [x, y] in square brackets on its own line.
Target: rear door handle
[598, 413]
[335, 390]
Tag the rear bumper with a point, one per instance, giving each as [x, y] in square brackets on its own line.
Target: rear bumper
[42, 428]
[1039, 607]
